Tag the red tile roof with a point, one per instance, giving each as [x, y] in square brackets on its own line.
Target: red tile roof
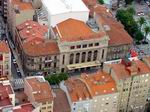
[5, 91]
[33, 36]
[44, 48]
[100, 83]
[78, 90]
[102, 10]
[4, 48]
[24, 108]
[74, 30]
[61, 101]
[42, 89]
[137, 67]
[117, 34]
[22, 5]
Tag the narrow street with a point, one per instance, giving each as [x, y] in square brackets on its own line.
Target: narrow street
[17, 71]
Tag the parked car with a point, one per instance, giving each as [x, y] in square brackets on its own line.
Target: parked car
[140, 13]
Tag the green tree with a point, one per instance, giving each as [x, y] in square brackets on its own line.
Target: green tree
[139, 36]
[126, 18]
[54, 79]
[131, 10]
[128, 2]
[147, 31]
[141, 22]
[101, 1]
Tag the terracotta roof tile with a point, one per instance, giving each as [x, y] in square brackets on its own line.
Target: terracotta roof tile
[4, 48]
[44, 48]
[137, 67]
[33, 37]
[22, 5]
[117, 34]
[100, 83]
[102, 10]
[42, 89]
[74, 30]
[77, 90]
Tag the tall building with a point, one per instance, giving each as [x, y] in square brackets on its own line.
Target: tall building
[38, 53]
[81, 45]
[5, 59]
[132, 79]
[39, 91]
[92, 93]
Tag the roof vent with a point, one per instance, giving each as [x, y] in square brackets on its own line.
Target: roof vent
[27, 31]
[106, 27]
[27, 24]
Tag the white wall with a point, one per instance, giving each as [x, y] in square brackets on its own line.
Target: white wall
[55, 19]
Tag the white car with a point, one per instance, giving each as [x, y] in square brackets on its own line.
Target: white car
[14, 61]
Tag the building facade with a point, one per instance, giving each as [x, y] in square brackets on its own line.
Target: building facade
[81, 47]
[132, 78]
[38, 53]
[119, 43]
[92, 93]
[5, 59]
[39, 91]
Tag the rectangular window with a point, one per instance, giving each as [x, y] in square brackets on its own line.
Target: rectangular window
[78, 46]
[1, 57]
[63, 59]
[72, 47]
[96, 44]
[90, 45]
[84, 46]
[55, 65]
[103, 54]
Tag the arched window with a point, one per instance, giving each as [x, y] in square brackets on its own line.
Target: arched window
[89, 56]
[77, 57]
[83, 57]
[71, 58]
[95, 55]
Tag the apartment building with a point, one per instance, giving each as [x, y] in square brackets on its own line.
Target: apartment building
[78, 95]
[104, 91]
[81, 46]
[119, 40]
[5, 59]
[132, 79]
[38, 90]
[18, 12]
[92, 93]
[38, 53]
[7, 95]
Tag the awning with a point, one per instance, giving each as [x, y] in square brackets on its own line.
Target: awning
[83, 65]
